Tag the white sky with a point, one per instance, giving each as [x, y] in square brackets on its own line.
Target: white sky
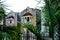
[19, 5]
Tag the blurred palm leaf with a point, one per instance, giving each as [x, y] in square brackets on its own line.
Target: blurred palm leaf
[34, 30]
[50, 9]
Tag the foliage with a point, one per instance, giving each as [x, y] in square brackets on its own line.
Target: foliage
[7, 32]
[34, 30]
[38, 18]
[12, 32]
[51, 11]
[1, 13]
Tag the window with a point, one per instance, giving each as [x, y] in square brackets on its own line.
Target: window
[10, 21]
[27, 19]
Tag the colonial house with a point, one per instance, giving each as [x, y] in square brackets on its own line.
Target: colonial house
[28, 15]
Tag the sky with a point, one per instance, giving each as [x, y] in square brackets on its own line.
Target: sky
[20, 5]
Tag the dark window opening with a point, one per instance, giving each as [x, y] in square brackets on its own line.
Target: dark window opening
[27, 19]
[10, 21]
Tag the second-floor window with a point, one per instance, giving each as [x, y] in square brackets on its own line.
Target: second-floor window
[27, 19]
[10, 21]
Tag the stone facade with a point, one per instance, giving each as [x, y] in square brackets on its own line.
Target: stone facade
[31, 13]
[28, 16]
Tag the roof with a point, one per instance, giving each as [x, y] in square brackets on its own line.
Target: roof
[26, 14]
[10, 17]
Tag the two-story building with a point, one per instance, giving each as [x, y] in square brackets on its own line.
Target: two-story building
[28, 15]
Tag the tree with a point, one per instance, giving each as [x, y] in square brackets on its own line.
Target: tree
[7, 32]
[50, 9]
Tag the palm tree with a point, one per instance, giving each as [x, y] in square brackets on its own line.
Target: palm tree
[58, 20]
[50, 9]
